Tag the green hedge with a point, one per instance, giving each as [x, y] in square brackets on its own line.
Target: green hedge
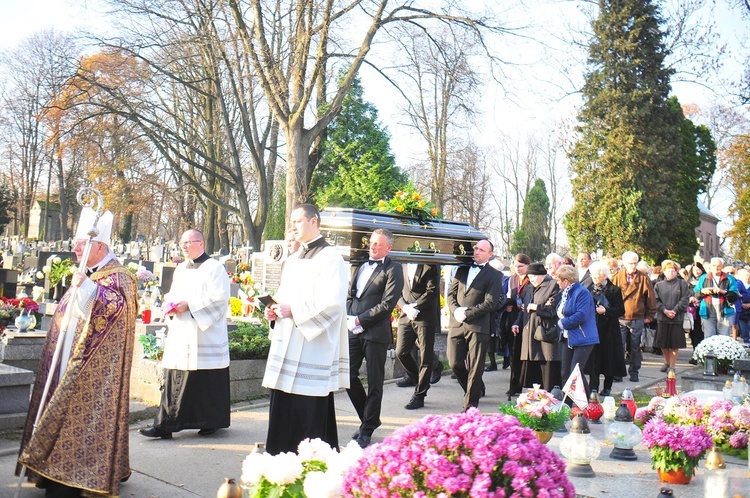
[249, 342]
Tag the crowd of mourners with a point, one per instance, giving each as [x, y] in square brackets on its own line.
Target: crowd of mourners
[603, 315]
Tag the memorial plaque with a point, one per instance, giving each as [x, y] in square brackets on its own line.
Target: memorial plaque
[267, 264]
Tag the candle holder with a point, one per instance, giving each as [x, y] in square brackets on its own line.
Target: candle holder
[579, 448]
[709, 364]
[624, 435]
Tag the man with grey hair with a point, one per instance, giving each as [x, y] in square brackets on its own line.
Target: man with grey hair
[640, 308]
[717, 293]
[374, 291]
[552, 262]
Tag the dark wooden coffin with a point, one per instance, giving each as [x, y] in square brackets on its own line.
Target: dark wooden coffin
[440, 242]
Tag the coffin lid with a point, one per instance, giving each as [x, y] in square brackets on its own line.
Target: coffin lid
[435, 241]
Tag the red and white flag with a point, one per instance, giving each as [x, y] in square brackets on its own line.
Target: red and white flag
[575, 389]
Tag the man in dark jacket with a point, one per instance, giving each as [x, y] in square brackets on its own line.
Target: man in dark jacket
[374, 290]
[471, 300]
[417, 324]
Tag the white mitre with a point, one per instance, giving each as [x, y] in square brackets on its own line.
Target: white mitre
[86, 221]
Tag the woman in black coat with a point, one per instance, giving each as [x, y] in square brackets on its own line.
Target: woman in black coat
[540, 361]
[608, 358]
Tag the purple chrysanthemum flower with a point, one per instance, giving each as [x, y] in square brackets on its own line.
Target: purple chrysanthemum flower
[466, 454]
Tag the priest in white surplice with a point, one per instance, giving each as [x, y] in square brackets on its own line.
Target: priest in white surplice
[309, 357]
[196, 352]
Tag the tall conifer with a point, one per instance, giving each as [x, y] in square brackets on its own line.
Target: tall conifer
[626, 161]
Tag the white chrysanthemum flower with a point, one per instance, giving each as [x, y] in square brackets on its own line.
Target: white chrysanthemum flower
[253, 467]
[724, 347]
[286, 468]
[46, 269]
[322, 485]
[57, 260]
[341, 462]
[315, 449]
[40, 275]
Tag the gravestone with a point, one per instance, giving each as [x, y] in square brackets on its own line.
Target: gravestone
[165, 272]
[8, 282]
[267, 264]
[156, 252]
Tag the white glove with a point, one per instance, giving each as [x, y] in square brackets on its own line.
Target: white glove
[351, 325]
[460, 314]
[410, 311]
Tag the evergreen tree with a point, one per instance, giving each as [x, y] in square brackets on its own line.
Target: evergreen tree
[698, 153]
[628, 158]
[7, 203]
[357, 168]
[532, 237]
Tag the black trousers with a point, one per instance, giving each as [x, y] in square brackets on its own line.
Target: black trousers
[294, 417]
[423, 336]
[367, 404]
[474, 345]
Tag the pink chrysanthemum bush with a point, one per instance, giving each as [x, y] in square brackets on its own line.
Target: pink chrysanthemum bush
[459, 455]
[727, 424]
[674, 446]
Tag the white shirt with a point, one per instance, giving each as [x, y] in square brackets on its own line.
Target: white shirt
[473, 271]
[365, 272]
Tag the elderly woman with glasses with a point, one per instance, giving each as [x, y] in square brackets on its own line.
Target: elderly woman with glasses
[577, 320]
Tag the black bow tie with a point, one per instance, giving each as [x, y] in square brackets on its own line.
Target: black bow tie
[375, 262]
[475, 265]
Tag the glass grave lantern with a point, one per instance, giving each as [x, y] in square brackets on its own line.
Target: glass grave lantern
[579, 448]
[624, 435]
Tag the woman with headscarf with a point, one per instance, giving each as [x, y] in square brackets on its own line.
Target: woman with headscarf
[608, 358]
[540, 361]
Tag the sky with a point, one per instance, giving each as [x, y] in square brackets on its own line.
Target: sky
[531, 102]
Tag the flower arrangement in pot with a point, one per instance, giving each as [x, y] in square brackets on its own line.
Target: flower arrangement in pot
[59, 271]
[723, 347]
[538, 410]
[677, 437]
[461, 455]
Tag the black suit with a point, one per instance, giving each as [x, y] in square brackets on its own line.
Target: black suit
[424, 293]
[373, 308]
[471, 337]
[586, 279]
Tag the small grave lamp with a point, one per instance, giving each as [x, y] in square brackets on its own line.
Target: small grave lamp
[717, 480]
[594, 410]
[579, 448]
[627, 398]
[709, 364]
[671, 383]
[624, 435]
